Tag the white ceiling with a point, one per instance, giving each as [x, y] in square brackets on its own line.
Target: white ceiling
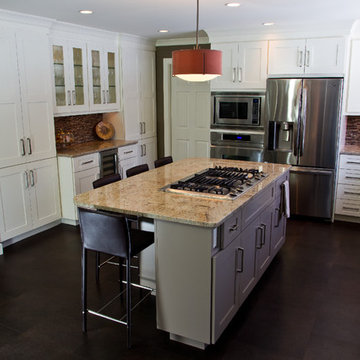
[146, 17]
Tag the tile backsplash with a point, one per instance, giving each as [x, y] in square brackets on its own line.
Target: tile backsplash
[81, 126]
[352, 130]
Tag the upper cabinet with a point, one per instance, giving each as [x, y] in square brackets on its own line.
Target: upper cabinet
[353, 94]
[85, 73]
[27, 129]
[243, 66]
[318, 56]
[103, 78]
[139, 92]
[70, 76]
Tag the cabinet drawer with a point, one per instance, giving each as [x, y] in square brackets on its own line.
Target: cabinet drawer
[350, 162]
[256, 205]
[86, 162]
[279, 182]
[347, 176]
[350, 192]
[348, 207]
[127, 152]
[230, 229]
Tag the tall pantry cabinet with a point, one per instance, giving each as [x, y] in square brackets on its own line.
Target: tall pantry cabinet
[28, 170]
[139, 96]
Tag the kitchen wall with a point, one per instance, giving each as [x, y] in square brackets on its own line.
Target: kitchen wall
[352, 136]
[81, 126]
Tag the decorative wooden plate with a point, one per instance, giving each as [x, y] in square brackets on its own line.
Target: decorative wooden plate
[104, 130]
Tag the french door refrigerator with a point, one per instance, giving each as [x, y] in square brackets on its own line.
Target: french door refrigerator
[302, 124]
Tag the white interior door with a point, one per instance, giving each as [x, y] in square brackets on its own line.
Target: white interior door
[190, 119]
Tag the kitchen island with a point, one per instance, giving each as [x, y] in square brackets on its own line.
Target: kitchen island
[209, 253]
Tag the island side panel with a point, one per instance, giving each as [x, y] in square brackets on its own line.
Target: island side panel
[183, 276]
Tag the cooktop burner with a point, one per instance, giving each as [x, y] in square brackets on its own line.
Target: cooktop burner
[218, 182]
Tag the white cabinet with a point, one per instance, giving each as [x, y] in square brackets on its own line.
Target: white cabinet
[348, 187]
[128, 158]
[29, 197]
[76, 176]
[139, 92]
[243, 66]
[147, 150]
[70, 76]
[103, 64]
[353, 93]
[27, 128]
[318, 56]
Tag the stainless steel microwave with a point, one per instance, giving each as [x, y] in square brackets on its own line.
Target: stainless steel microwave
[237, 110]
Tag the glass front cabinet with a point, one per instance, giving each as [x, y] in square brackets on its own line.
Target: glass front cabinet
[70, 77]
[103, 74]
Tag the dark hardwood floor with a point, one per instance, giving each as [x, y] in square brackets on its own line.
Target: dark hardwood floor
[306, 306]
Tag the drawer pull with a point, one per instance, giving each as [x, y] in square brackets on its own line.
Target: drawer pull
[128, 152]
[351, 193]
[353, 162]
[233, 228]
[352, 177]
[350, 208]
[87, 162]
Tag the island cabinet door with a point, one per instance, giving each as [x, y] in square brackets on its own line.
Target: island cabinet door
[263, 241]
[225, 266]
[278, 227]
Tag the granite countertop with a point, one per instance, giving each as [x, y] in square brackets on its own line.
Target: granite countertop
[141, 195]
[92, 147]
[350, 150]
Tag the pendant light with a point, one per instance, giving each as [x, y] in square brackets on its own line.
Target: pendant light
[197, 64]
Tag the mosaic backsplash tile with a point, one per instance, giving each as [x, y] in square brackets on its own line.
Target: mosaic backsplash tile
[81, 126]
[352, 130]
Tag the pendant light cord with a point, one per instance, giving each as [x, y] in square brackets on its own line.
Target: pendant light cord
[197, 25]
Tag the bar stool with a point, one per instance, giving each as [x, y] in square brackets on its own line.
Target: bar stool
[137, 170]
[108, 179]
[110, 233]
[163, 161]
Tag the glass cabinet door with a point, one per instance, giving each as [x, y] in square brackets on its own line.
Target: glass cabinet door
[59, 74]
[111, 95]
[78, 93]
[96, 76]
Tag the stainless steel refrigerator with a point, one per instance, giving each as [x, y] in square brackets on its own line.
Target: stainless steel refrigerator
[302, 124]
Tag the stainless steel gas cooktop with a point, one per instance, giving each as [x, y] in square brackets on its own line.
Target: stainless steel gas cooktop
[226, 183]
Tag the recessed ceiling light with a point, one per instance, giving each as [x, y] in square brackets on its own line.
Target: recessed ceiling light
[163, 31]
[268, 23]
[232, 4]
[86, 12]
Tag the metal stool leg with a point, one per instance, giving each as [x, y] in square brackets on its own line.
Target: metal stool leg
[97, 266]
[128, 302]
[84, 289]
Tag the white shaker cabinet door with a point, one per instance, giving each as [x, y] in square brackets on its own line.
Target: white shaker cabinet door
[85, 178]
[15, 208]
[353, 94]
[44, 192]
[36, 95]
[286, 57]
[12, 143]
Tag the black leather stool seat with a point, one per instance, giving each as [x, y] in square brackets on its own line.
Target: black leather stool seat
[163, 161]
[137, 170]
[108, 179]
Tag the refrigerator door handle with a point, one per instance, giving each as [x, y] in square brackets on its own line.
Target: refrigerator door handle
[304, 170]
[303, 121]
[296, 126]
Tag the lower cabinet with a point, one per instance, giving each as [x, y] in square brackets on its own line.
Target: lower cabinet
[147, 150]
[128, 158]
[76, 176]
[237, 268]
[29, 197]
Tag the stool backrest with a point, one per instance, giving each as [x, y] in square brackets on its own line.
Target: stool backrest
[163, 161]
[137, 170]
[108, 179]
[105, 232]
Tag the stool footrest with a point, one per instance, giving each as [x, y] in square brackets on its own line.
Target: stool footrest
[106, 317]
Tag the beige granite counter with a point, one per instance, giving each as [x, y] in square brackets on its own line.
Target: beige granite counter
[350, 150]
[92, 147]
[141, 195]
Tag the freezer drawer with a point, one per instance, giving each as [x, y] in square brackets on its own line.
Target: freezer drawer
[312, 192]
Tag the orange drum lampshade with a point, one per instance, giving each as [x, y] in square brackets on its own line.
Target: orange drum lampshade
[197, 64]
